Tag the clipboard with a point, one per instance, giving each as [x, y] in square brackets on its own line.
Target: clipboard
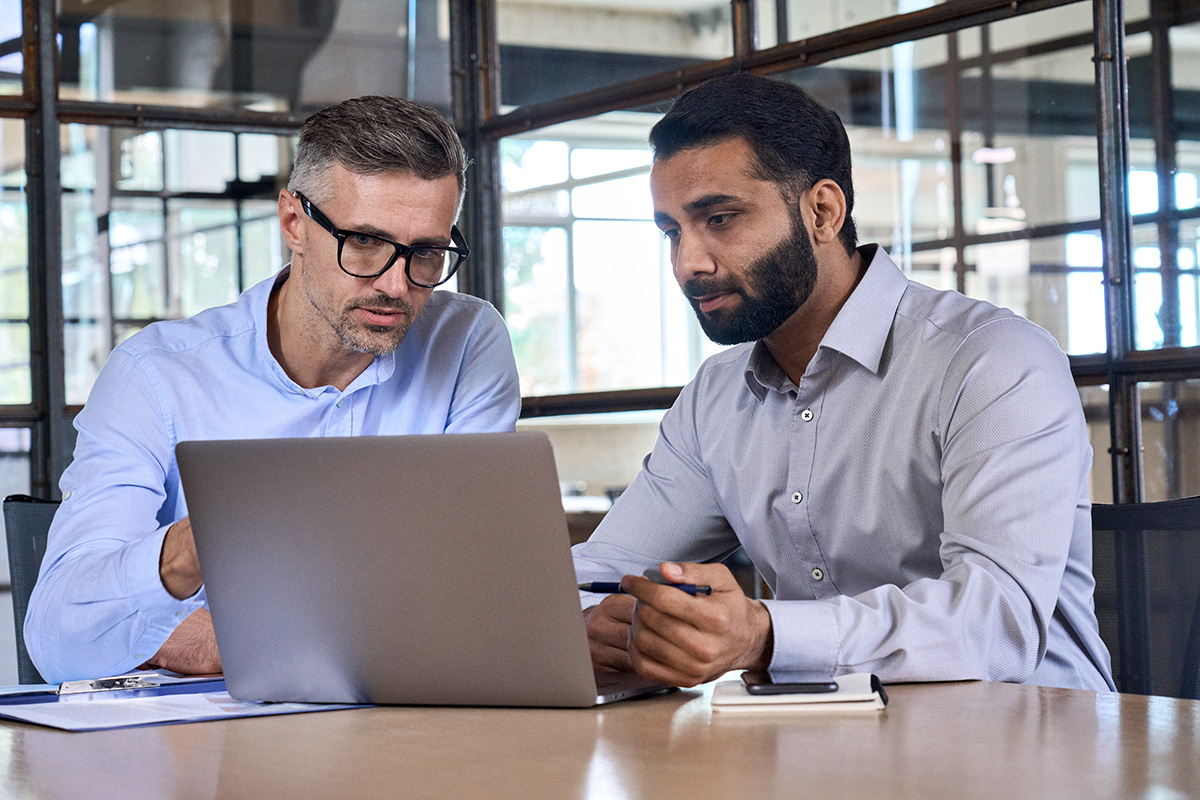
[136, 699]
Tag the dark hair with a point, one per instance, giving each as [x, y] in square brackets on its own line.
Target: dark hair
[796, 140]
[372, 134]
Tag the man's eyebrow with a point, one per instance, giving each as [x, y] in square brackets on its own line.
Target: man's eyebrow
[370, 230]
[708, 201]
[431, 241]
[662, 218]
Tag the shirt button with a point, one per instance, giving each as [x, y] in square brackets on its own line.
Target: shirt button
[340, 403]
[806, 414]
[797, 497]
[817, 574]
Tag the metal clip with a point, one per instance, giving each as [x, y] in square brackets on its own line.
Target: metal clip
[109, 684]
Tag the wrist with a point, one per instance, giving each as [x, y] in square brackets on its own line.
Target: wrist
[763, 647]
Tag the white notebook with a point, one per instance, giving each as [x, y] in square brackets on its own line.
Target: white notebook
[861, 691]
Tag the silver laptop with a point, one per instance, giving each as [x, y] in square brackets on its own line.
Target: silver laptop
[432, 570]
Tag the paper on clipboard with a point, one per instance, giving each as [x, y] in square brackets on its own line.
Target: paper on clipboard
[183, 701]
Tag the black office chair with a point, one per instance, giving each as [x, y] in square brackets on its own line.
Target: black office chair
[1146, 559]
[26, 521]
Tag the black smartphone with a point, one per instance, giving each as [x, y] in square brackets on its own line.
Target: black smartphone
[761, 683]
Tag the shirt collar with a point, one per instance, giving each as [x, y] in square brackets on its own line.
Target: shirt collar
[859, 331]
[380, 370]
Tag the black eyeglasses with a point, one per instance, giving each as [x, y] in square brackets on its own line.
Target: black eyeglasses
[365, 255]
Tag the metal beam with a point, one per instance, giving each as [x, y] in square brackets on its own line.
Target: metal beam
[1112, 123]
[49, 449]
[474, 80]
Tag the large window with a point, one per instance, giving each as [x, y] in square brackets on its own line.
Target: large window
[978, 166]
[590, 300]
[160, 225]
[974, 127]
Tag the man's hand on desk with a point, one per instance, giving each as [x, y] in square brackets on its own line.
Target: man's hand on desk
[685, 640]
[178, 564]
[191, 648]
[608, 632]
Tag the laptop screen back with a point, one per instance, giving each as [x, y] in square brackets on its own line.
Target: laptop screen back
[408, 569]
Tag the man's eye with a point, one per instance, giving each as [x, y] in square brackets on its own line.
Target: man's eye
[671, 234]
[719, 219]
[426, 253]
[362, 240]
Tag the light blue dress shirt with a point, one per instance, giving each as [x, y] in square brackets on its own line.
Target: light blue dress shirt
[918, 505]
[99, 607]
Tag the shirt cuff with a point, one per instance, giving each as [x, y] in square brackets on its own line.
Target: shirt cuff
[805, 634]
[154, 603]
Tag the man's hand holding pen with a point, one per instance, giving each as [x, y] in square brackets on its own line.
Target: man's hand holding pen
[676, 637]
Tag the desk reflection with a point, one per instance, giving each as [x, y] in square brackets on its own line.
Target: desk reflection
[978, 740]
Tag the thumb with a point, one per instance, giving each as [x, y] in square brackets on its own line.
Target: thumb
[716, 575]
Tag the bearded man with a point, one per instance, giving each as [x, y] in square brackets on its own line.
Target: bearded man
[349, 339]
[906, 468]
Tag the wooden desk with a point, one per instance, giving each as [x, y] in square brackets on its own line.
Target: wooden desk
[963, 740]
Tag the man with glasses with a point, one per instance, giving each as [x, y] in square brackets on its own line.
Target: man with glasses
[907, 468]
[349, 339]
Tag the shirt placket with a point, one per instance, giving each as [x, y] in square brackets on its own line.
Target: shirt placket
[810, 567]
[340, 418]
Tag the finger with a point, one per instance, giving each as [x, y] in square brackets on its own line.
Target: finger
[693, 650]
[658, 660]
[664, 597]
[619, 607]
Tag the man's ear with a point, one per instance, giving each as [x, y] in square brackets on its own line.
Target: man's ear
[290, 217]
[827, 204]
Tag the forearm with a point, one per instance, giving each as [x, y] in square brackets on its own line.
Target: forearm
[101, 609]
[191, 649]
[967, 625]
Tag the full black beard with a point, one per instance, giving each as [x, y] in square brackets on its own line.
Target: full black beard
[774, 286]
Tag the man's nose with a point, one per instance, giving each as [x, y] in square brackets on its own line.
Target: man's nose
[691, 259]
[394, 282]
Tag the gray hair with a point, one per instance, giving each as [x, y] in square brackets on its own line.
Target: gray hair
[370, 135]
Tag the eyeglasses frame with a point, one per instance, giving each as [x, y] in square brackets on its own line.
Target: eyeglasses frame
[459, 246]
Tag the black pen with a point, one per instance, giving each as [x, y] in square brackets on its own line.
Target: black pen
[608, 587]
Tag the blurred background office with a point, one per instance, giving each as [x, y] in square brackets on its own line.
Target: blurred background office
[144, 142]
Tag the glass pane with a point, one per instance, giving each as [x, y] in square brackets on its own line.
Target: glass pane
[590, 296]
[11, 63]
[14, 253]
[85, 257]
[901, 145]
[204, 247]
[286, 55]
[137, 260]
[551, 49]
[199, 161]
[263, 249]
[800, 19]
[161, 225]
[1095, 411]
[1020, 126]
[1170, 430]
[139, 160]
[1166, 292]
[536, 306]
[620, 303]
[14, 256]
[86, 346]
[14, 364]
[1186, 81]
[1055, 282]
